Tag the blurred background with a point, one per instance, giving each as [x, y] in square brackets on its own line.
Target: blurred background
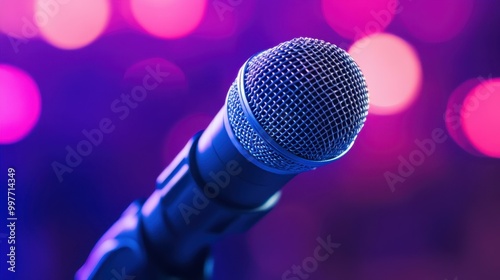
[98, 96]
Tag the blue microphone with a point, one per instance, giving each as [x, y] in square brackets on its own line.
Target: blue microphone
[292, 108]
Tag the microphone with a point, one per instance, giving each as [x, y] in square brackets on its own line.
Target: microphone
[291, 109]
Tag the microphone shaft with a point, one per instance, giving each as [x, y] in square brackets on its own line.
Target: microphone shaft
[209, 190]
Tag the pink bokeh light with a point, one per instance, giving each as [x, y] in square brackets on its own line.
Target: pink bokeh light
[481, 117]
[16, 19]
[356, 19]
[435, 21]
[452, 115]
[72, 24]
[168, 18]
[182, 131]
[20, 104]
[392, 70]
[173, 80]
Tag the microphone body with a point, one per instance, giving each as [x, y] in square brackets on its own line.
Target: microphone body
[292, 108]
[208, 191]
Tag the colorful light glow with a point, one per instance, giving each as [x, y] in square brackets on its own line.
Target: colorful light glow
[168, 18]
[435, 21]
[173, 80]
[182, 131]
[358, 18]
[71, 24]
[382, 150]
[392, 70]
[16, 19]
[453, 118]
[20, 104]
[481, 117]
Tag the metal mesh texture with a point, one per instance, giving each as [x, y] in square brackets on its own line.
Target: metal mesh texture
[308, 95]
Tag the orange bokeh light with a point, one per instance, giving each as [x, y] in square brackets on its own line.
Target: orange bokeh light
[392, 70]
[168, 18]
[71, 24]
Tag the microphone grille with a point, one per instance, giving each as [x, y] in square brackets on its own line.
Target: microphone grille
[299, 105]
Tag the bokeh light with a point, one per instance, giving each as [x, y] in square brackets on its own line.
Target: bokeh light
[16, 19]
[481, 117]
[382, 149]
[168, 18]
[358, 18]
[453, 119]
[20, 104]
[71, 24]
[392, 70]
[292, 22]
[182, 131]
[170, 80]
[435, 21]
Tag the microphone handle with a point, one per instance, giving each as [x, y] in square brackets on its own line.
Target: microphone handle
[169, 235]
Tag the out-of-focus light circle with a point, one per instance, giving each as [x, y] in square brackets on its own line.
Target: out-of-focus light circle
[383, 150]
[435, 21]
[71, 24]
[481, 117]
[168, 18]
[16, 19]
[182, 131]
[158, 75]
[356, 19]
[392, 70]
[20, 104]
[453, 118]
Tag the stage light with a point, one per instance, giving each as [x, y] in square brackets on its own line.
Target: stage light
[168, 18]
[392, 70]
[356, 19]
[20, 104]
[480, 116]
[71, 24]
[435, 21]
